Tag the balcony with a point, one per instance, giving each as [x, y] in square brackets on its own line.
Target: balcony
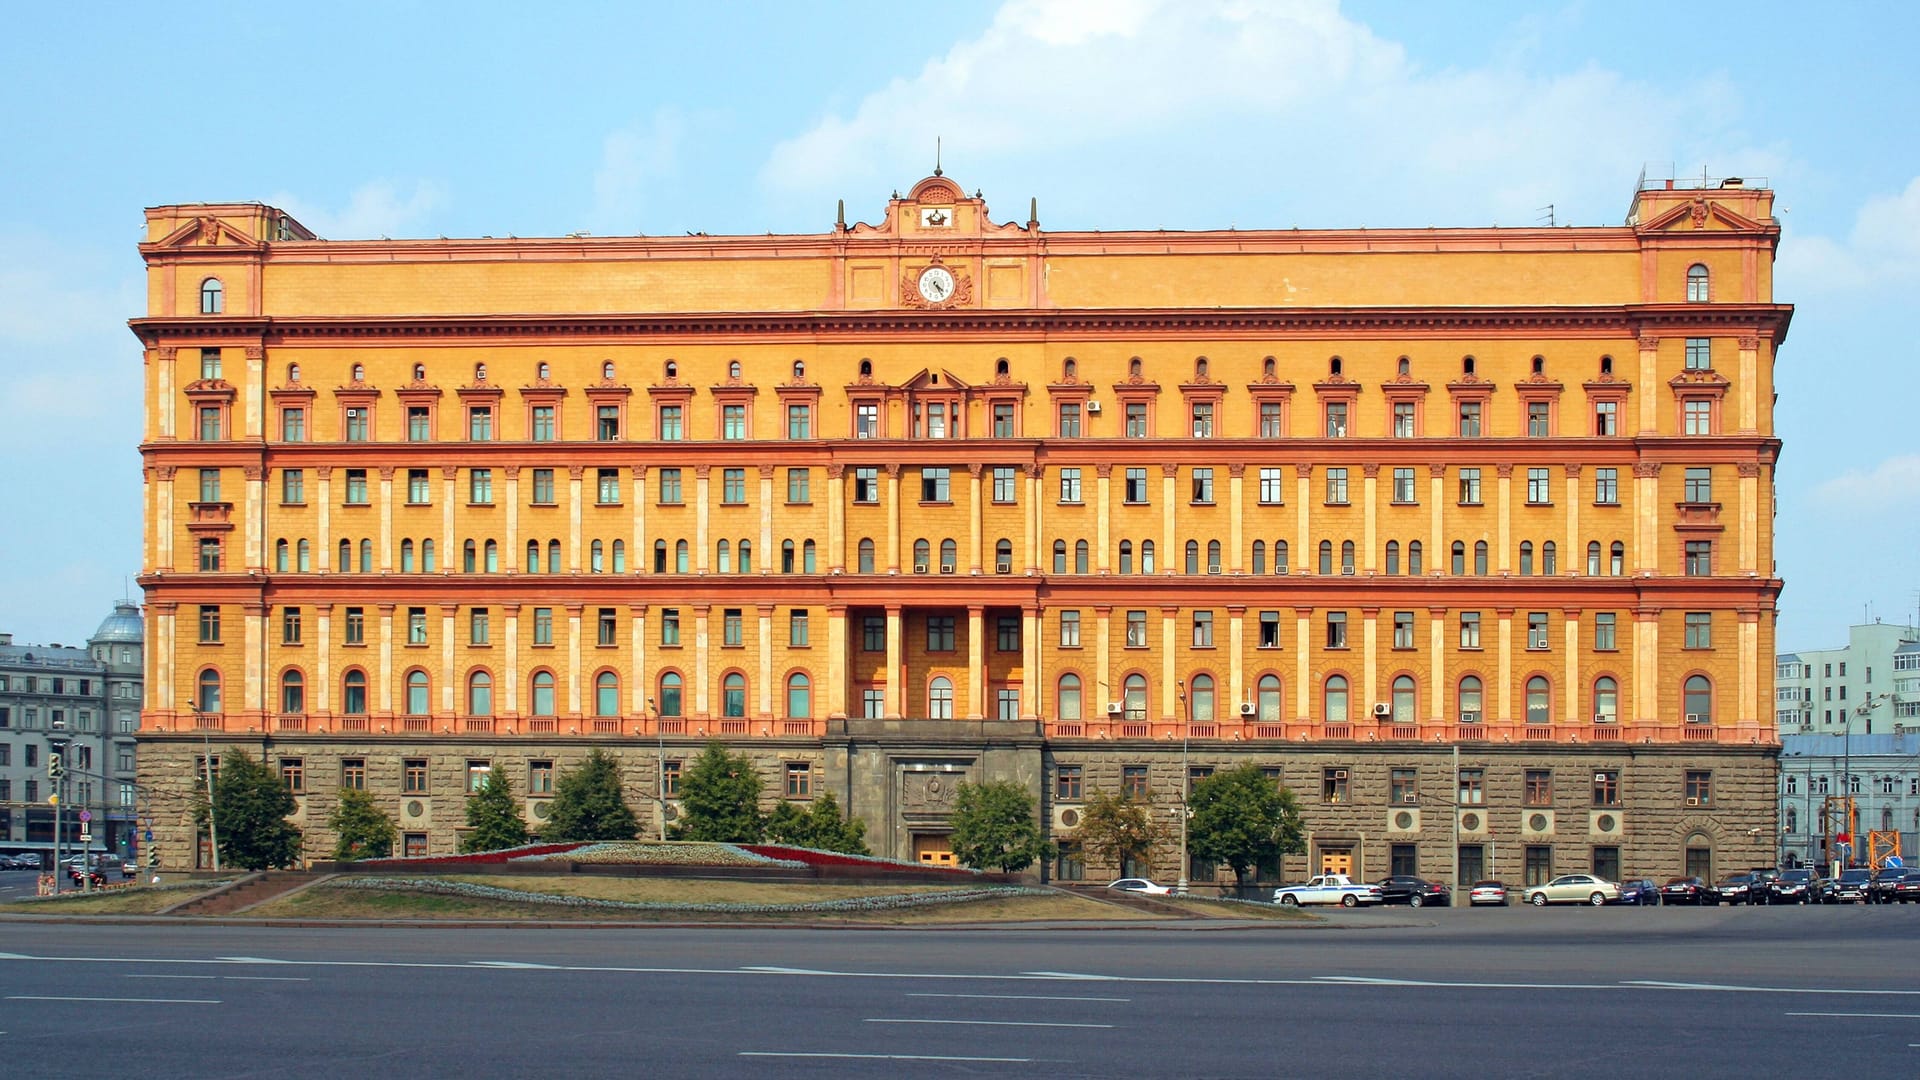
[1697, 517]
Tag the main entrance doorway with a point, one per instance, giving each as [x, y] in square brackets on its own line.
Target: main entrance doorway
[1336, 860]
[931, 849]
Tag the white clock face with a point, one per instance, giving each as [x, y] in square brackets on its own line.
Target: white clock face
[936, 217]
[936, 284]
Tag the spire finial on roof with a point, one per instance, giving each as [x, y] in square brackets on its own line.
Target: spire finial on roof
[936, 156]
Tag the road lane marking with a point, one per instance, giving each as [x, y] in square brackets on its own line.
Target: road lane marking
[1727, 988]
[512, 965]
[115, 1000]
[874, 1057]
[209, 977]
[768, 969]
[1068, 975]
[1020, 997]
[265, 978]
[981, 1023]
[1876, 1016]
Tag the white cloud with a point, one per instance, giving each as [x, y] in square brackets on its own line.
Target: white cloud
[1893, 481]
[1285, 95]
[629, 158]
[1883, 249]
[374, 209]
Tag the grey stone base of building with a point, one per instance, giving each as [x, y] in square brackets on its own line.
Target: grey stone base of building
[1368, 808]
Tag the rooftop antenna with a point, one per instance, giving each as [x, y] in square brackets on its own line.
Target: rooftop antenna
[1548, 215]
[936, 156]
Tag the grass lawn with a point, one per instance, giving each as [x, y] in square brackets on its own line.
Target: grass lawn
[134, 900]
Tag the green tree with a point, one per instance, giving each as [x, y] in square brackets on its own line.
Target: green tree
[1241, 817]
[1114, 829]
[493, 816]
[361, 829]
[720, 797]
[250, 808]
[588, 803]
[994, 827]
[819, 826]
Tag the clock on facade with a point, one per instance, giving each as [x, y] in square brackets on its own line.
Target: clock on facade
[936, 284]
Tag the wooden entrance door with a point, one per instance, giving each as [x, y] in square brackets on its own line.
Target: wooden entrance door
[932, 850]
[1337, 862]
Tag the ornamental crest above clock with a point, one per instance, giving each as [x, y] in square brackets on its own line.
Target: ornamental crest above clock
[936, 285]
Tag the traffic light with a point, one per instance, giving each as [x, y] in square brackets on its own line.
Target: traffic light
[153, 858]
[56, 768]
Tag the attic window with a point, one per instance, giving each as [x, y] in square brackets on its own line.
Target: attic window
[866, 367]
[419, 373]
[1334, 365]
[606, 370]
[1072, 367]
[1606, 365]
[293, 373]
[213, 297]
[799, 370]
[1000, 366]
[1266, 367]
[543, 372]
[479, 373]
[1466, 365]
[359, 373]
[1539, 365]
[733, 369]
[1405, 366]
[1200, 368]
[1133, 368]
[673, 370]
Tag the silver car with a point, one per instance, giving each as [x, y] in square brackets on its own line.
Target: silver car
[1574, 889]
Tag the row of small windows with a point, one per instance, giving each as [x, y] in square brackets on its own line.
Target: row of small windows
[417, 694]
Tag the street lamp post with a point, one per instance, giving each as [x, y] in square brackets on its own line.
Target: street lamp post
[57, 778]
[660, 761]
[1852, 826]
[1186, 783]
[206, 769]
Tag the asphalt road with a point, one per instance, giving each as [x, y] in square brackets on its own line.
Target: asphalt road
[1562, 992]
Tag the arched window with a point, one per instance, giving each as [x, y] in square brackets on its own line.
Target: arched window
[865, 548]
[366, 556]
[922, 556]
[1126, 556]
[1593, 559]
[1080, 555]
[213, 297]
[1146, 556]
[1259, 560]
[940, 698]
[1059, 556]
[799, 696]
[293, 373]
[659, 556]
[733, 695]
[1698, 703]
[359, 373]
[293, 692]
[866, 367]
[1606, 700]
[303, 555]
[746, 556]
[787, 552]
[682, 557]
[1193, 556]
[670, 687]
[1267, 699]
[417, 694]
[606, 694]
[1469, 697]
[1393, 557]
[1213, 556]
[553, 556]
[345, 561]
[723, 557]
[1333, 700]
[1067, 707]
[493, 557]
[1279, 556]
[479, 373]
[1617, 559]
[1459, 558]
[1403, 700]
[353, 693]
[619, 556]
[949, 555]
[1480, 557]
[1136, 698]
[733, 369]
[406, 556]
[807, 558]
[1346, 557]
[799, 370]
[1539, 700]
[1698, 281]
[280, 552]
[479, 694]
[1200, 699]
[542, 693]
[1414, 558]
[1549, 558]
[543, 372]
[1003, 556]
[1793, 819]
[1526, 558]
[1326, 558]
[606, 370]
[533, 556]
[596, 558]
[426, 557]
[419, 373]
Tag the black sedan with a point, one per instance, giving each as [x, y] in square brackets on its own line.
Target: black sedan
[1907, 889]
[1413, 891]
[1688, 890]
[1640, 891]
[1881, 885]
[1793, 886]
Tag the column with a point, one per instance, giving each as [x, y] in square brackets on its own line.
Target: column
[164, 406]
[573, 659]
[1304, 693]
[254, 695]
[1369, 689]
[386, 659]
[1503, 547]
[1749, 710]
[700, 694]
[1573, 695]
[1036, 517]
[1648, 380]
[1440, 691]
[837, 521]
[1574, 552]
[574, 475]
[1033, 680]
[641, 552]
[386, 519]
[700, 553]
[974, 524]
[449, 678]
[1646, 515]
[1303, 545]
[1439, 551]
[1102, 663]
[1370, 515]
[1505, 681]
[836, 660]
[1746, 391]
[976, 654]
[1172, 552]
[1169, 669]
[510, 559]
[896, 661]
[322, 688]
[509, 703]
[1236, 536]
[449, 491]
[639, 681]
[766, 661]
[163, 523]
[1749, 519]
[893, 523]
[250, 419]
[1646, 665]
[253, 513]
[1236, 655]
[324, 475]
[1103, 523]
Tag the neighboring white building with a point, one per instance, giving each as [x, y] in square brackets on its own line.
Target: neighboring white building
[1881, 772]
[1871, 686]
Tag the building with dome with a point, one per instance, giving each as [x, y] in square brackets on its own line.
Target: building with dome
[1464, 535]
[88, 699]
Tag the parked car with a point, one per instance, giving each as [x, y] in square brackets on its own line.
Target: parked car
[1850, 887]
[1139, 885]
[8, 862]
[1328, 889]
[1792, 887]
[1413, 891]
[28, 860]
[1907, 891]
[1739, 889]
[1881, 885]
[101, 867]
[1640, 891]
[1487, 892]
[1688, 890]
[1573, 889]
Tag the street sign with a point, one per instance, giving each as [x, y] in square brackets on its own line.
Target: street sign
[85, 836]
[86, 815]
[148, 837]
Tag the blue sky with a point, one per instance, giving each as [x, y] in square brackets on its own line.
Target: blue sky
[411, 119]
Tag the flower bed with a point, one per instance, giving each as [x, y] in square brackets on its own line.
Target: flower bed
[847, 904]
[661, 853]
[810, 857]
[475, 858]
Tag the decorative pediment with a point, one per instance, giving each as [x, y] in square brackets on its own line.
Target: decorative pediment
[1701, 213]
[927, 380]
[1699, 379]
[207, 232]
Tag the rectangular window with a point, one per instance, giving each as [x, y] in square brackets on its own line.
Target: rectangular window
[353, 773]
[1699, 485]
[1067, 783]
[419, 488]
[1606, 787]
[1136, 420]
[607, 487]
[1334, 785]
[732, 627]
[935, 485]
[1006, 702]
[799, 421]
[1698, 417]
[1606, 418]
[1473, 862]
[670, 494]
[1005, 481]
[733, 422]
[1539, 415]
[416, 626]
[1002, 420]
[543, 492]
[210, 624]
[1603, 632]
[1336, 487]
[356, 494]
[1203, 629]
[1269, 629]
[480, 423]
[1536, 630]
[357, 425]
[1699, 787]
[1403, 629]
[1272, 486]
[799, 634]
[866, 421]
[606, 423]
[1070, 629]
[1403, 414]
[293, 486]
[413, 776]
[210, 363]
[480, 486]
[733, 487]
[608, 623]
[293, 425]
[1699, 558]
[669, 626]
[1606, 862]
[799, 780]
[1069, 485]
[673, 426]
[542, 423]
[1006, 633]
[1133, 782]
[1538, 788]
[1403, 787]
[1069, 419]
[866, 485]
[209, 555]
[1473, 787]
[1539, 488]
[293, 773]
[936, 420]
[1203, 487]
[1606, 487]
[1336, 420]
[1699, 633]
[670, 778]
[543, 626]
[1403, 490]
[540, 777]
[799, 486]
[1135, 492]
[873, 633]
[1469, 629]
[1469, 487]
[209, 423]
[1470, 419]
[1336, 629]
[1203, 419]
[1270, 416]
[1699, 353]
[1538, 860]
[939, 633]
[419, 423]
[1136, 629]
[290, 626]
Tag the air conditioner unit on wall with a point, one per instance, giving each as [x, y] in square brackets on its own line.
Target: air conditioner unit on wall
[1699, 718]
[1382, 710]
[1247, 708]
[919, 569]
[1114, 708]
[1093, 408]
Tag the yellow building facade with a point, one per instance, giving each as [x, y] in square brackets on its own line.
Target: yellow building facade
[1464, 534]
